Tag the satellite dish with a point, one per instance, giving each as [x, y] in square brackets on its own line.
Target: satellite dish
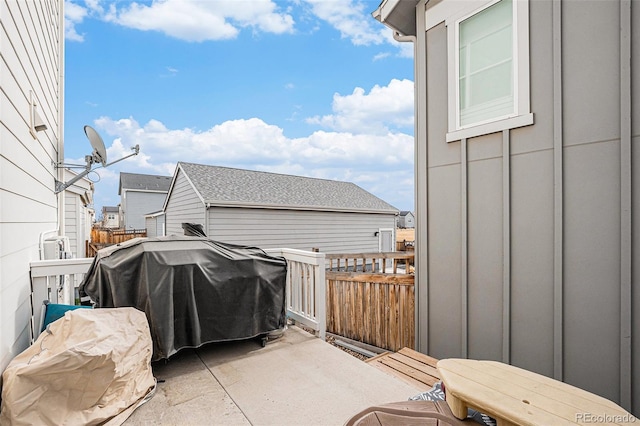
[99, 155]
[99, 152]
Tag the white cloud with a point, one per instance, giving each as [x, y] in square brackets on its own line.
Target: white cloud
[195, 20]
[73, 15]
[198, 20]
[375, 112]
[376, 160]
[352, 20]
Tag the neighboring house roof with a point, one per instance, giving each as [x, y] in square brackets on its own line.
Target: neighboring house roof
[110, 209]
[247, 188]
[140, 182]
[405, 212]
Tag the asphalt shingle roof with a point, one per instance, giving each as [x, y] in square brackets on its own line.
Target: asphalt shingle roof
[228, 185]
[142, 182]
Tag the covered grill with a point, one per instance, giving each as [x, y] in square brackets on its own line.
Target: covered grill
[193, 290]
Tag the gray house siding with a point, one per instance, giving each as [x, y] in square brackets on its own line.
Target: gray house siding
[183, 205]
[406, 221]
[137, 204]
[524, 245]
[330, 232]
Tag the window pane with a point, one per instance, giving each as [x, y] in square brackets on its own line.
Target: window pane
[491, 84]
[485, 80]
[491, 49]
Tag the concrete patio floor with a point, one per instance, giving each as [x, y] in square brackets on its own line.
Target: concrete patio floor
[297, 379]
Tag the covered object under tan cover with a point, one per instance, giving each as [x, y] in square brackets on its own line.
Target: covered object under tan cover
[93, 366]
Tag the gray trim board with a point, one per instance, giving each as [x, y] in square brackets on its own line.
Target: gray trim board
[464, 232]
[625, 206]
[506, 247]
[557, 194]
[421, 260]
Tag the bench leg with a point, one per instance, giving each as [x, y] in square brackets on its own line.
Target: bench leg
[457, 406]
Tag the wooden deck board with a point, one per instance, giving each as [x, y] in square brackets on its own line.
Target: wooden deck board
[410, 366]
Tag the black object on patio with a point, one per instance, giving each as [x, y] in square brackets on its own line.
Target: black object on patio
[193, 290]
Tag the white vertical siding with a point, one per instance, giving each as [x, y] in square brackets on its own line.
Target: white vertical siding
[77, 223]
[154, 225]
[72, 221]
[150, 223]
[30, 60]
[183, 205]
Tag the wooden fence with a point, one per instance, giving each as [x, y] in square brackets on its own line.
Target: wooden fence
[104, 237]
[369, 301]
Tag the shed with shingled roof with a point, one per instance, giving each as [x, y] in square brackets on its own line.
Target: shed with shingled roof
[272, 210]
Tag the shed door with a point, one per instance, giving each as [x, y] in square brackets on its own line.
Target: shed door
[385, 243]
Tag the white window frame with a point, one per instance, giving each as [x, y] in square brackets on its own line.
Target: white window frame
[453, 12]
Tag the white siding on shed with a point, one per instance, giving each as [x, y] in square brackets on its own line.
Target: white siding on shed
[155, 225]
[183, 205]
[330, 232]
[30, 62]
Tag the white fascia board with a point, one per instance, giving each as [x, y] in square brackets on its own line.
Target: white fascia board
[147, 190]
[293, 207]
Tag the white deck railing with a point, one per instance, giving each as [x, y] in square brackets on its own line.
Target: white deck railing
[56, 281]
[306, 288]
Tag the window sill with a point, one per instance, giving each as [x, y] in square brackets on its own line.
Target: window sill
[493, 127]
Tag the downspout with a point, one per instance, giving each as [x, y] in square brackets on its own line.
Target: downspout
[405, 39]
[397, 36]
[206, 218]
[58, 134]
[60, 129]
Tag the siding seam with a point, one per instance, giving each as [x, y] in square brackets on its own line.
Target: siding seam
[464, 272]
[421, 258]
[626, 206]
[506, 247]
[558, 216]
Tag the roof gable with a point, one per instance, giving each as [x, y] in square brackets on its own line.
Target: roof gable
[228, 186]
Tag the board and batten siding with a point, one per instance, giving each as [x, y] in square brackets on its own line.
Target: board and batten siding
[137, 204]
[524, 246]
[330, 232]
[31, 60]
[183, 206]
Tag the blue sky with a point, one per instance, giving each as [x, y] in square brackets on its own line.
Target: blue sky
[304, 87]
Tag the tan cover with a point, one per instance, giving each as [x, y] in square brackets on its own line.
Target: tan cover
[91, 367]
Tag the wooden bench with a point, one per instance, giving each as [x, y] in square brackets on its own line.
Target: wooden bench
[514, 396]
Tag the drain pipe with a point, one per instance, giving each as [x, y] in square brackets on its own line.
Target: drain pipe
[413, 39]
[397, 36]
[59, 133]
[61, 195]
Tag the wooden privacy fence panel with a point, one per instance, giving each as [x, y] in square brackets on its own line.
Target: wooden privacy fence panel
[373, 308]
[103, 237]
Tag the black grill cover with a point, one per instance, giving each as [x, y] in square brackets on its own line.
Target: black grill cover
[193, 290]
